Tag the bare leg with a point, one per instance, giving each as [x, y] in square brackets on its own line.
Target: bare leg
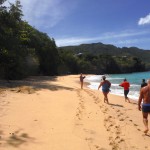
[125, 95]
[125, 99]
[105, 98]
[145, 121]
[128, 99]
[81, 85]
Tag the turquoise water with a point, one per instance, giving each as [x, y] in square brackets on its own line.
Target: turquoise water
[135, 80]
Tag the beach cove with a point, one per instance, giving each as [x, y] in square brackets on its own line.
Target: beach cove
[53, 113]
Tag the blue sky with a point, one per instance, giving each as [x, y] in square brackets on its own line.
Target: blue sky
[123, 23]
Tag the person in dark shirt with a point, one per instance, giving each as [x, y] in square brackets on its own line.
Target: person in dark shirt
[143, 83]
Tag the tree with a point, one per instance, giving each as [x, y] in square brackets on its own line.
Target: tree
[12, 55]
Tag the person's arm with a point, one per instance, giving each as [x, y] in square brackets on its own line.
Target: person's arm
[99, 85]
[140, 100]
[109, 84]
[121, 84]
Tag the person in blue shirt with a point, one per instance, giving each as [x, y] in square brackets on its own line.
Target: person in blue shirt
[105, 88]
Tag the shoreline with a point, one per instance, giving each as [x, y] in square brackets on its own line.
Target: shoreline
[86, 83]
[54, 113]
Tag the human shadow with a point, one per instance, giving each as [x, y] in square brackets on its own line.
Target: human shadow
[148, 135]
[134, 103]
[117, 105]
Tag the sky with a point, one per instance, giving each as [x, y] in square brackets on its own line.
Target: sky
[123, 23]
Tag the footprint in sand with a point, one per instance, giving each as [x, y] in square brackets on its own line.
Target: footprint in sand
[110, 125]
[106, 109]
[80, 111]
[121, 113]
[117, 137]
[118, 110]
[79, 118]
[89, 139]
[109, 117]
[100, 106]
[78, 124]
[98, 148]
[110, 138]
[117, 127]
[139, 129]
[82, 107]
[94, 97]
[108, 129]
[77, 114]
[121, 119]
[89, 131]
[118, 132]
[105, 120]
[121, 140]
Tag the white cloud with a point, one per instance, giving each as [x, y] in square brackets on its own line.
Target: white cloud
[45, 13]
[129, 41]
[104, 37]
[132, 41]
[145, 20]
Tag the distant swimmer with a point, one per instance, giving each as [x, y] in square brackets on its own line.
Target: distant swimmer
[145, 97]
[125, 84]
[105, 88]
[81, 80]
[143, 83]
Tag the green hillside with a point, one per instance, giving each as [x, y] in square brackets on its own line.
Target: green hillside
[107, 49]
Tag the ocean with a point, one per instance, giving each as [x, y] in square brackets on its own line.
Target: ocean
[135, 80]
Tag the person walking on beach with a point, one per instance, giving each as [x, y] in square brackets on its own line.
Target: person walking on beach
[81, 80]
[145, 96]
[125, 84]
[105, 88]
[143, 83]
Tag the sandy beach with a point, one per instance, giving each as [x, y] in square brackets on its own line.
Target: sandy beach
[53, 113]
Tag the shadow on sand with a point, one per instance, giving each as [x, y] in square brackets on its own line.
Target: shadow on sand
[33, 84]
[15, 139]
[117, 105]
